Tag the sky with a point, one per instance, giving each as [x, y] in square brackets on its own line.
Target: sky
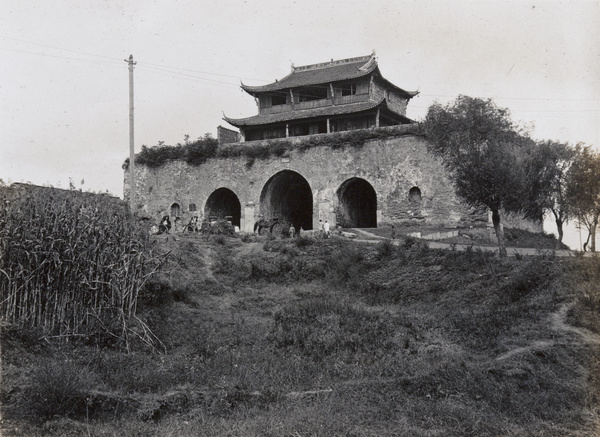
[64, 96]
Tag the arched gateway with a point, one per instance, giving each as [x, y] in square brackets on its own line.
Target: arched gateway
[357, 202]
[223, 203]
[288, 197]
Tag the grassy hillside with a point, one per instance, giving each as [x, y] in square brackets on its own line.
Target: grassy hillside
[324, 338]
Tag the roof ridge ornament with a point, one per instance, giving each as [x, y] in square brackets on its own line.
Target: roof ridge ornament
[372, 61]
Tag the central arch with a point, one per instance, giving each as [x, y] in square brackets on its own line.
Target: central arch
[357, 204]
[223, 203]
[287, 196]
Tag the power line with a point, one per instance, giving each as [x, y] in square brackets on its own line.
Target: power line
[184, 76]
[94, 61]
[177, 70]
[203, 72]
[59, 48]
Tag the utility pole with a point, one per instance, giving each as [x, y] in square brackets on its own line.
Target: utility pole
[131, 151]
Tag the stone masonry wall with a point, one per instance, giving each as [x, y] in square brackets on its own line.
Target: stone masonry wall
[392, 166]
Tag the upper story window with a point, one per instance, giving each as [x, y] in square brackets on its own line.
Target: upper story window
[351, 89]
[348, 89]
[308, 93]
[279, 99]
[266, 101]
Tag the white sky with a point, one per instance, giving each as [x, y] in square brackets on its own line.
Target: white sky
[64, 83]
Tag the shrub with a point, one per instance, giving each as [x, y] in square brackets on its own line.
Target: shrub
[303, 242]
[247, 238]
[534, 274]
[385, 249]
[159, 293]
[219, 227]
[197, 152]
[590, 296]
[345, 265]
[156, 294]
[57, 387]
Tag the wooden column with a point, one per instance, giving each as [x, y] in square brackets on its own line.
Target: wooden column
[328, 126]
[287, 130]
[377, 118]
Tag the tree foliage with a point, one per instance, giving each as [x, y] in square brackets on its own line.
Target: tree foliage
[583, 190]
[546, 191]
[485, 153]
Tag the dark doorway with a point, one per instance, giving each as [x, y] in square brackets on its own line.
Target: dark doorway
[357, 204]
[223, 203]
[288, 197]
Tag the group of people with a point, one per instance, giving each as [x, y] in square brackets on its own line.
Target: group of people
[165, 225]
[324, 228]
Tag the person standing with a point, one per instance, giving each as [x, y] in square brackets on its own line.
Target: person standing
[326, 229]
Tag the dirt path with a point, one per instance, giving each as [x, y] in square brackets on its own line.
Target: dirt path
[512, 251]
[557, 323]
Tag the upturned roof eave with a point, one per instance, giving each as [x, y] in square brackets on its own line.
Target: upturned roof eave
[369, 64]
[408, 94]
[277, 86]
[310, 113]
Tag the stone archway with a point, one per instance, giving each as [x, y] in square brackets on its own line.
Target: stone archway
[223, 203]
[287, 196]
[357, 204]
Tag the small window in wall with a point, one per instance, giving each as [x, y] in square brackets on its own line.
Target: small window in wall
[265, 101]
[349, 89]
[278, 99]
[175, 210]
[414, 195]
[192, 207]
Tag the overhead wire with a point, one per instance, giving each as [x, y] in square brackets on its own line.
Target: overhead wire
[181, 74]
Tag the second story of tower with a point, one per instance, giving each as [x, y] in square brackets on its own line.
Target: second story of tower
[320, 98]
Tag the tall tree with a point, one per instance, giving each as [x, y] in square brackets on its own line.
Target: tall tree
[485, 153]
[546, 191]
[583, 190]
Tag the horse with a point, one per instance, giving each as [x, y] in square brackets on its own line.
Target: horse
[265, 224]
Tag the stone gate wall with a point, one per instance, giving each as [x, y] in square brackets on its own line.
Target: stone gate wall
[392, 165]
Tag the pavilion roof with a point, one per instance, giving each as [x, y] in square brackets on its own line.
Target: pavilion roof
[326, 72]
[348, 108]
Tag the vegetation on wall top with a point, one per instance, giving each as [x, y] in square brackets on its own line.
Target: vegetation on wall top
[198, 151]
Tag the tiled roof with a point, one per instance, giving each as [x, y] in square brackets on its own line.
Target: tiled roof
[326, 72]
[348, 108]
[333, 71]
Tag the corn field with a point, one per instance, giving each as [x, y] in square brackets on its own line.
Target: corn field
[72, 264]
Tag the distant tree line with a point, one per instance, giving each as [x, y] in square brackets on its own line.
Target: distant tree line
[496, 164]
